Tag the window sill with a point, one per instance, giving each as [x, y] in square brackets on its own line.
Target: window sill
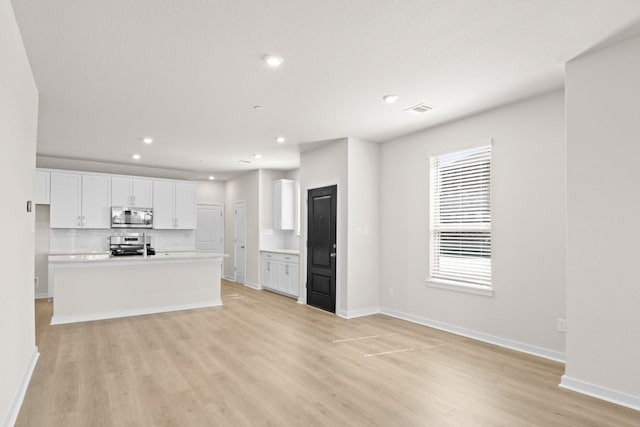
[460, 287]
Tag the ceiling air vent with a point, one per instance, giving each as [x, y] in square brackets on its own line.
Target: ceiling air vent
[244, 162]
[419, 109]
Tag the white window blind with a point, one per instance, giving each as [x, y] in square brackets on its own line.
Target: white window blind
[461, 217]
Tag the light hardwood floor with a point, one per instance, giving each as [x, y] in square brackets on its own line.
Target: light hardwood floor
[263, 359]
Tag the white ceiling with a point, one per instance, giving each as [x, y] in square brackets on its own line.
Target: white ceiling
[189, 72]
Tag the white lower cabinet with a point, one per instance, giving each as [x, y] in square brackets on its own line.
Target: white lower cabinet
[280, 273]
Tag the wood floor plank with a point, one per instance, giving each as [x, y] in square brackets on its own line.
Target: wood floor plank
[263, 359]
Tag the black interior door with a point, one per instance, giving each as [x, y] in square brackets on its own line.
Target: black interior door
[321, 248]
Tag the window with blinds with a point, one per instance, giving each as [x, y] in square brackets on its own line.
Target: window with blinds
[460, 233]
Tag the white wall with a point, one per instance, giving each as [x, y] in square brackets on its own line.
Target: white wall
[528, 211]
[18, 127]
[209, 192]
[363, 232]
[603, 292]
[321, 167]
[243, 187]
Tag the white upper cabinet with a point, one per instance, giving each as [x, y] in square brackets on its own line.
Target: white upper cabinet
[283, 204]
[174, 205]
[80, 201]
[185, 203]
[96, 201]
[66, 195]
[142, 193]
[131, 192]
[163, 214]
[43, 185]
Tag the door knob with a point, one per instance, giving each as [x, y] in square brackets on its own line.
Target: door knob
[332, 254]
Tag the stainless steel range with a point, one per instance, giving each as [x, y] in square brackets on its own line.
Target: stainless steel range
[130, 244]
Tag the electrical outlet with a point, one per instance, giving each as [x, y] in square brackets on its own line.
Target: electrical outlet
[562, 325]
[390, 292]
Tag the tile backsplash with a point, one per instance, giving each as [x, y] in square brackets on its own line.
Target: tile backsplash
[82, 240]
[278, 239]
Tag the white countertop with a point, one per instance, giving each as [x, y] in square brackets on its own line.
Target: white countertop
[282, 251]
[159, 256]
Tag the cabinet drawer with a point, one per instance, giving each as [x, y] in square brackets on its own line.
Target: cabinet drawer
[280, 257]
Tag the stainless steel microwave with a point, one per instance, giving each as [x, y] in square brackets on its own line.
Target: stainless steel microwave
[124, 217]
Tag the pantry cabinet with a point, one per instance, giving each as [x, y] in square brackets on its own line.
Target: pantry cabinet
[80, 200]
[279, 273]
[174, 205]
[131, 192]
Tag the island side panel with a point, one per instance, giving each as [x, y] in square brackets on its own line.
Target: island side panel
[92, 291]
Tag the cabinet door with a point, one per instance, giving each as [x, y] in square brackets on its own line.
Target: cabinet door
[96, 201]
[289, 282]
[283, 204]
[185, 205]
[121, 191]
[163, 213]
[42, 188]
[266, 273]
[293, 280]
[66, 192]
[142, 193]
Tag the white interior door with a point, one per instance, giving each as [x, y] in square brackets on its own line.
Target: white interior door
[239, 241]
[210, 229]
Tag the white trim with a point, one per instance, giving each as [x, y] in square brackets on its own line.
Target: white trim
[279, 292]
[599, 392]
[460, 287]
[462, 146]
[59, 320]
[252, 286]
[229, 278]
[235, 238]
[480, 336]
[42, 295]
[16, 404]
[361, 312]
[341, 313]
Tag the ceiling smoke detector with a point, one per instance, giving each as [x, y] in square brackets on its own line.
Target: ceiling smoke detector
[419, 109]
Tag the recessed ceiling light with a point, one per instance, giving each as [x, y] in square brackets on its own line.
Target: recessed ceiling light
[136, 156]
[280, 139]
[273, 60]
[257, 156]
[390, 99]
[147, 140]
[211, 177]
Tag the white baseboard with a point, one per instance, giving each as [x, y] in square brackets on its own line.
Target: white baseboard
[42, 295]
[480, 336]
[361, 312]
[229, 278]
[599, 392]
[59, 320]
[16, 404]
[253, 286]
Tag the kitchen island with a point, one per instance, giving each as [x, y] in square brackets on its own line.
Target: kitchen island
[101, 286]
